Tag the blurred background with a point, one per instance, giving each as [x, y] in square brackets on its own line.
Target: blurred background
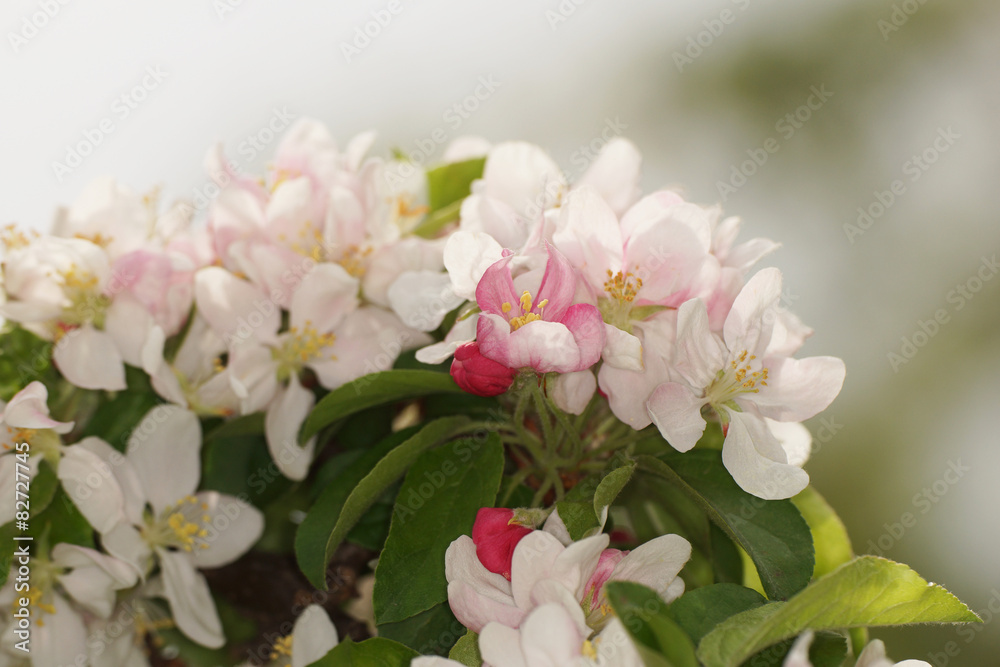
[862, 135]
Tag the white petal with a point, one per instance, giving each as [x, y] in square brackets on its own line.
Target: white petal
[589, 235]
[235, 309]
[751, 319]
[325, 295]
[522, 176]
[165, 450]
[284, 418]
[699, 353]
[92, 486]
[572, 391]
[550, 636]
[467, 255]
[615, 647]
[232, 527]
[654, 564]
[755, 459]
[89, 359]
[615, 174]
[676, 411]
[124, 474]
[463, 332]
[798, 389]
[476, 595]
[129, 324]
[621, 349]
[794, 438]
[312, 637]
[190, 601]
[29, 409]
[423, 298]
[500, 646]
[62, 640]
[799, 655]
[125, 543]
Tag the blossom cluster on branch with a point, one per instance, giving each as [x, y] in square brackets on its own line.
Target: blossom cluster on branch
[565, 415]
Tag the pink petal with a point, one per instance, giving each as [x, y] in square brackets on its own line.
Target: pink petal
[496, 288]
[558, 286]
[29, 409]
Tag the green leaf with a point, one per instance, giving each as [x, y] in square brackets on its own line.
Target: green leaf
[247, 425]
[659, 640]
[372, 390]
[583, 506]
[833, 546]
[337, 511]
[700, 610]
[374, 652]
[431, 632]
[241, 465]
[466, 650]
[114, 419]
[436, 504]
[24, 358]
[450, 183]
[869, 591]
[772, 532]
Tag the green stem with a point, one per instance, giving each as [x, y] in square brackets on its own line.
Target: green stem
[550, 443]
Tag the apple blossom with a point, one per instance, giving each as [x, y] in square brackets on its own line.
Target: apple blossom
[743, 379]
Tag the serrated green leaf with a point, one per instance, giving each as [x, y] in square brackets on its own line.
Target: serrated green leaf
[374, 652]
[867, 592]
[437, 503]
[372, 390]
[772, 532]
[697, 612]
[431, 632]
[334, 514]
[466, 650]
[832, 543]
[659, 640]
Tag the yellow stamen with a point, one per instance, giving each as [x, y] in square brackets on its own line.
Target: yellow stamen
[623, 287]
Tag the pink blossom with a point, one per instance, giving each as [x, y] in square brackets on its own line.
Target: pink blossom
[548, 331]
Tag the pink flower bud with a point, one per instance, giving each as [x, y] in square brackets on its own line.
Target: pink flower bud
[605, 566]
[478, 375]
[495, 538]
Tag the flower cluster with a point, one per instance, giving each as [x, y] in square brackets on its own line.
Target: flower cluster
[175, 375]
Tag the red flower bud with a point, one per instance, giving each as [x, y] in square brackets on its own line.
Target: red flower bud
[478, 375]
[495, 538]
